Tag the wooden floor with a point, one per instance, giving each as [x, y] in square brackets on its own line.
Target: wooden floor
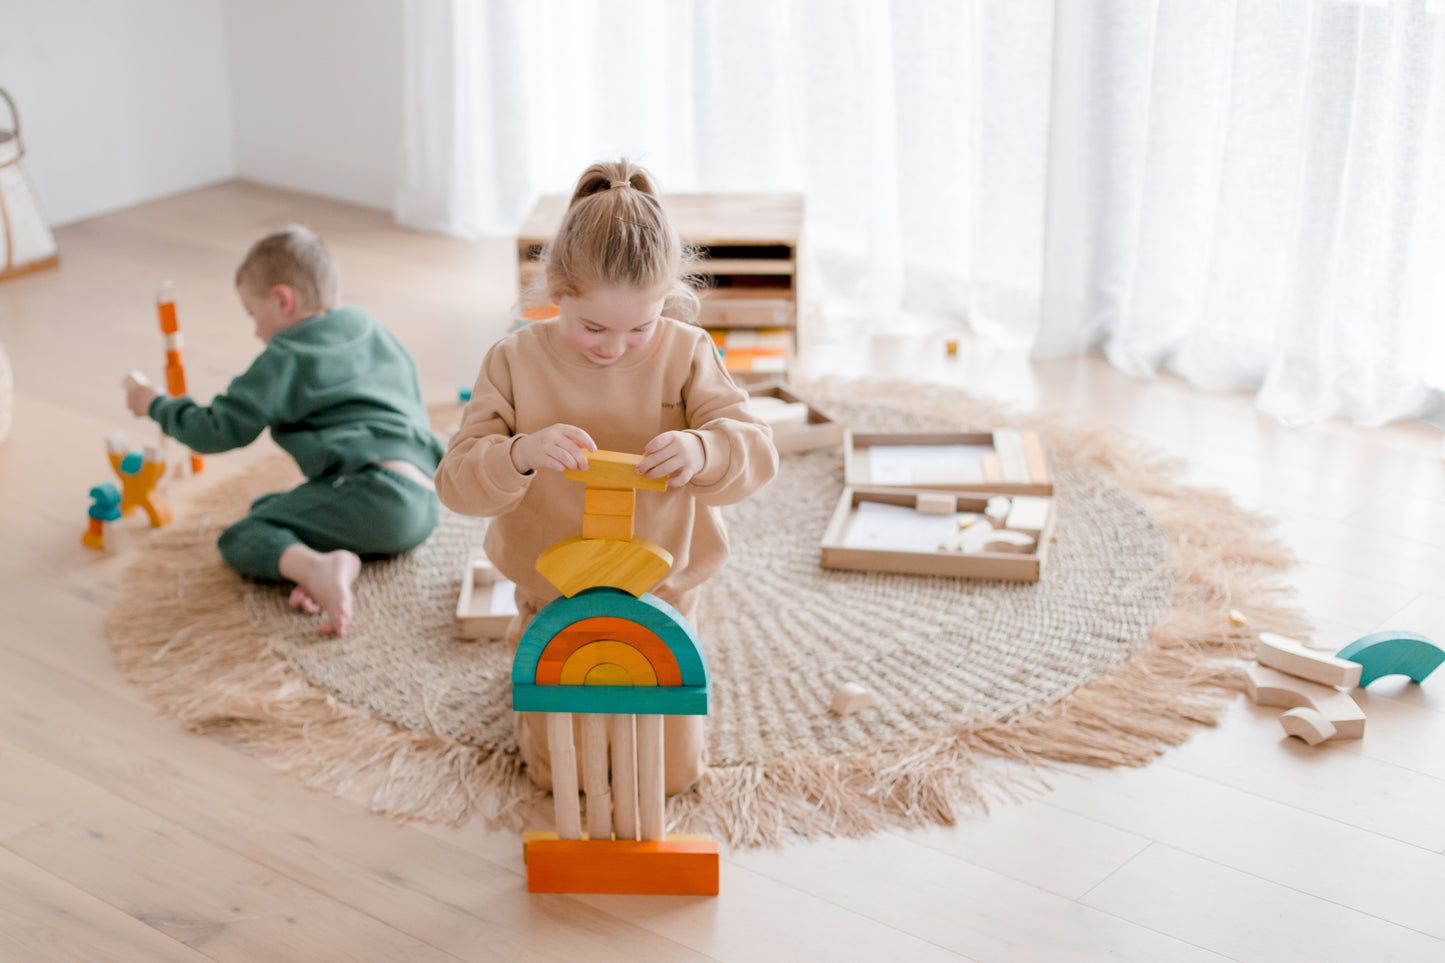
[124, 838]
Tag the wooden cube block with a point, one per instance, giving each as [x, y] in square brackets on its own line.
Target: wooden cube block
[609, 501]
[936, 503]
[607, 526]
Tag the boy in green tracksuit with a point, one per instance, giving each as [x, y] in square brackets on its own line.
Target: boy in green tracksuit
[342, 397]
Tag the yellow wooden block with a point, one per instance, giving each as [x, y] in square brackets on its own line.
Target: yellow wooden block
[615, 469]
[607, 526]
[609, 501]
[578, 563]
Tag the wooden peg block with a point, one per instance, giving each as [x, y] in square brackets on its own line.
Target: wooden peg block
[618, 527]
[1291, 656]
[609, 501]
[936, 503]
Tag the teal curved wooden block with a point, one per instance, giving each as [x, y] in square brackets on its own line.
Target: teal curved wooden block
[648, 611]
[1393, 652]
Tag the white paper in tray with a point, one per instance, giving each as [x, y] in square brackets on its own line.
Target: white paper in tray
[504, 597]
[940, 464]
[898, 528]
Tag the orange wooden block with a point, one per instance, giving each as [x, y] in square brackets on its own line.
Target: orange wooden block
[608, 628]
[609, 501]
[618, 527]
[1037, 460]
[679, 865]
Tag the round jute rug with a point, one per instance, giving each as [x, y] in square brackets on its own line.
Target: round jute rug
[1120, 650]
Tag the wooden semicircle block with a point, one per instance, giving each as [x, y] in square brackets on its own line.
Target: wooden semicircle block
[583, 632]
[651, 614]
[1393, 652]
[634, 667]
[578, 563]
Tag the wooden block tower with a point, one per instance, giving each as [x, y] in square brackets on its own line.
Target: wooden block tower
[175, 367]
[620, 658]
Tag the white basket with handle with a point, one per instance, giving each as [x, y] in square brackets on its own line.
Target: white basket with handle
[26, 243]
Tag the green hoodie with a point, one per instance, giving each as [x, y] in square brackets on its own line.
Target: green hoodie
[338, 391]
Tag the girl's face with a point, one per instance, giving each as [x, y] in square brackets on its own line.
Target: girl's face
[606, 323]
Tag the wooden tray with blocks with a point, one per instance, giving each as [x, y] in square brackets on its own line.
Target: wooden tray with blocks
[968, 535]
[487, 601]
[797, 425]
[1005, 461]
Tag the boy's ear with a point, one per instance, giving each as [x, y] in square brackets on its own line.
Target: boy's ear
[285, 297]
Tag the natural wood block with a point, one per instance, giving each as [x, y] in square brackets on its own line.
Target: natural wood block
[609, 501]
[851, 697]
[1270, 687]
[578, 563]
[936, 503]
[1289, 655]
[1308, 725]
[607, 526]
[615, 469]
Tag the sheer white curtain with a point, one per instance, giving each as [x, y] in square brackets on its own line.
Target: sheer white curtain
[1246, 192]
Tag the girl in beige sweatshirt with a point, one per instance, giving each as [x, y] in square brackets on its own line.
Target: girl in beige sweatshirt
[614, 370]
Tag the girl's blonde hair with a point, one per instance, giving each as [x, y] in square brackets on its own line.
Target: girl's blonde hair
[296, 257]
[615, 233]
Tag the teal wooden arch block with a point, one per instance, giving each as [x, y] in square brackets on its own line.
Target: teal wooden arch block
[648, 611]
[1393, 652]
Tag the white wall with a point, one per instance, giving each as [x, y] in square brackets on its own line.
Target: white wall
[119, 103]
[316, 95]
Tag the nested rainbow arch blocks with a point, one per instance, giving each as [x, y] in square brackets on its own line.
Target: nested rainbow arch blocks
[605, 650]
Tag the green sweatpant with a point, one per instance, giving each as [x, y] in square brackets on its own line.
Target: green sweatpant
[373, 511]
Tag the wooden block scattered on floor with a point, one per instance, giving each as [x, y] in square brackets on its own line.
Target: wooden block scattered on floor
[1308, 725]
[1290, 655]
[1270, 687]
[851, 697]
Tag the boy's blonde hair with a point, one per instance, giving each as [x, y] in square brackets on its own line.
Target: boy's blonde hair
[615, 233]
[296, 257]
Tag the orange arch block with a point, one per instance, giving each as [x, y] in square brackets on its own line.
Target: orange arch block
[607, 628]
[608, 655]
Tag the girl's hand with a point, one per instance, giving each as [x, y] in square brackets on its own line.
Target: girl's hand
[676, 454]
[558, 447]
[139, 393]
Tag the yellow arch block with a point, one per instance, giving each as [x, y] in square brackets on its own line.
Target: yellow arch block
[618, 662]
[578, 563]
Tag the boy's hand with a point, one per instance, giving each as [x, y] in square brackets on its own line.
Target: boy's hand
[139, 393]
[676, 454]
[558, 447]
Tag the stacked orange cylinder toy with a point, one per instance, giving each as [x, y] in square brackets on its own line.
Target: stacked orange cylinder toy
[175, 368]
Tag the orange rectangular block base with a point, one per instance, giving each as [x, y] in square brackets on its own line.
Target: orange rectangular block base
[678, 865]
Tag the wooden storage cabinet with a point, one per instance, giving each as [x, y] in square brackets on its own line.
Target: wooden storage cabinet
[749, 256]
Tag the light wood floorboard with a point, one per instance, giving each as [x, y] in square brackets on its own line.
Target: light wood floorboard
[124, 837]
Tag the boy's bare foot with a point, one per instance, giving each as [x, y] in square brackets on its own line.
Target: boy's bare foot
[323, 583]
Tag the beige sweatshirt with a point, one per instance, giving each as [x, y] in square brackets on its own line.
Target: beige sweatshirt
[676, 381]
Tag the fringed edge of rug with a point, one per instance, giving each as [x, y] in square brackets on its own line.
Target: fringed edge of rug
[1180, 678]
[235, 688]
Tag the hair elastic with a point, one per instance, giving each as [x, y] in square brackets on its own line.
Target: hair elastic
[617, 184]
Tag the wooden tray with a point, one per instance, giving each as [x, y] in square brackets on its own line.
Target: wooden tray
[820, 431]
[1014, 465]
[475, 618]
[1010, 565]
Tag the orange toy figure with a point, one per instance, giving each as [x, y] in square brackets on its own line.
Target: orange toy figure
[175, 369]
[139, 474]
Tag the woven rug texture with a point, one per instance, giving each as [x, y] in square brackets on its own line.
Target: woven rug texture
[1120, 650]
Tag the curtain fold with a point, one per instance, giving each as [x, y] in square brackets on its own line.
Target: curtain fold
[1245, 192]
